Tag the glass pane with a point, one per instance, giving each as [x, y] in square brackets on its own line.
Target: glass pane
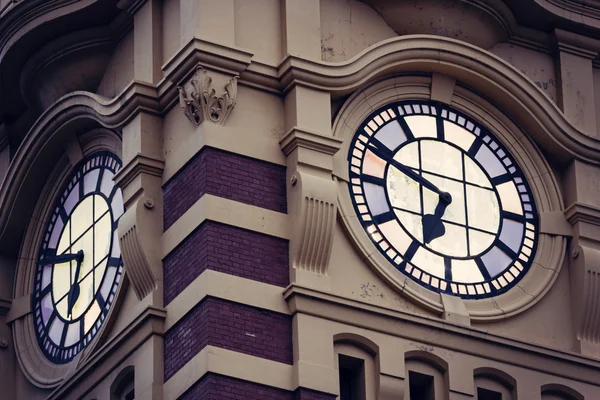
[373, 165]
[483, 209]
[479, 241]
[429, 262]
[56, 329]
[495, 261]
[391, 135]
[490, 162]
[108, 281]
[46, 276]
[512, 234]
[100, 207]
[90, 180]
[86, 294]
[441, 159]
[458, 135]
[72, 334]
[107, 182]
[62, 307]
[103, 235]
[412, 223]
[61, 280]
[422, 126]
[56, 234]
[403, 191]
[85, 243]
[409, 155]
[375, 195]
[82, 217]
[510, 198]
[117, 205]
[72, 199]
[47, 308]
[474, 174]
[395, 235]
[99, 274]
[466, 271]
[452, 243]
[91, 316]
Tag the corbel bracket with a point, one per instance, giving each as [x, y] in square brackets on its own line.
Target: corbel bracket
[140, 226]
[202, 102]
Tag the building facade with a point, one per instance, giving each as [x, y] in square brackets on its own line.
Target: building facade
[300, 199]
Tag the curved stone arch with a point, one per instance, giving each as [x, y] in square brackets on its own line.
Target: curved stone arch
[46, 155]
[552, 388]
[429, 358]
[477, 68]
[357, 340]
[497, 375]
[124, 378]
[545, 188]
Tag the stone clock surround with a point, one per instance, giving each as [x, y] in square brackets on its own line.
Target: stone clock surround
[309, 144]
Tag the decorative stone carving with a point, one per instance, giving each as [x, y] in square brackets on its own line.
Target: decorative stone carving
[312, 201]
[140, 226]
[202, 101]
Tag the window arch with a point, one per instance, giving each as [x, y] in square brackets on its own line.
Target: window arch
[357, 362]
[427, 376]
[493, 384]
[123, 387]
[555, 391]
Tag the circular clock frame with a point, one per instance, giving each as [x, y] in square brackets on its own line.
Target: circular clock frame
[551, 249]
[36, 366]
[64, 329]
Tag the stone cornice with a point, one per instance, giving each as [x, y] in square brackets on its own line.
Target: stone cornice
[309, 140]
[149, 322]
[451, 336]
[580, 212]
[575, 44]
[138, 165]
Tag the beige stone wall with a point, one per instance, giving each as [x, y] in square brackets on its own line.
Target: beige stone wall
[306, 71]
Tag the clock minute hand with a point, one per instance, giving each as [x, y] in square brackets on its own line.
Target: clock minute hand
[388, 156]
[73, 294]
[61, 259]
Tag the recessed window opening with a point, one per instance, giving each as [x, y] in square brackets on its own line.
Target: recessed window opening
[124, 386]
[421, 386]
[486, 394]
[352, 378]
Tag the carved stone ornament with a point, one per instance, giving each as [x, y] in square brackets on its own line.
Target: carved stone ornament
[202, 101]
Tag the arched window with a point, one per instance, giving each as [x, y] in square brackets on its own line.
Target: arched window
[427, 376]
[358, 365]
[493, 384]
[123, 387]
[560, 392]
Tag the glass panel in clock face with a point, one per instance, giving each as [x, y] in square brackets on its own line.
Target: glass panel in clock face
[442, 199]
[79, 265]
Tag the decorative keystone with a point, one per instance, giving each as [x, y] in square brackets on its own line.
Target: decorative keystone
[202, 101]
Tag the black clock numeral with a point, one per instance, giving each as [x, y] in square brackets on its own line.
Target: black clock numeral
[474, 148]
[63, 335]
[507, 250]
[482, 269]
[373, 179]
[63, 215]
[99, 181]
[383, 218]
[501, 179]
[409, 135]
[513, 216]
[448, 268]
[440, 128]
[113, 262]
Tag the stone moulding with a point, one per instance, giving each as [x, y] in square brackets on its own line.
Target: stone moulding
[202, 102]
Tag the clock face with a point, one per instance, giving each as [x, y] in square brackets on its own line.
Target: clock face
[442, 199]
[79, 265]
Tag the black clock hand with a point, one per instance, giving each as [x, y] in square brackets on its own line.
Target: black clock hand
[60, 259]
[433, 227]
[73, 294]
[388, 156]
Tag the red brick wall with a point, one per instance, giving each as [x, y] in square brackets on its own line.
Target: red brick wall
[231, 326]
[226, 175]
[229, 250]
[219, 387]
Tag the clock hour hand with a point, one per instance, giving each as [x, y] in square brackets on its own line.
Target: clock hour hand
[73, 294]
[433, 227]
[388, 156]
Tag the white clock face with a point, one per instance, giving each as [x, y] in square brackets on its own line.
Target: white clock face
[79, 265]
[442, 199]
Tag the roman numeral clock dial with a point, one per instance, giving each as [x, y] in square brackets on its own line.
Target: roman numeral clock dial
[79, 266]
[442, 199]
